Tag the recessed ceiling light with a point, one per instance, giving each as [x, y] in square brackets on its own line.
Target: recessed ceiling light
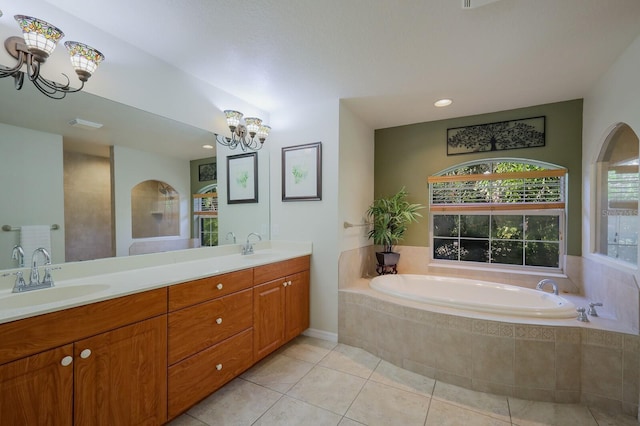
[207, 146]
[84, 124]
[443, 103]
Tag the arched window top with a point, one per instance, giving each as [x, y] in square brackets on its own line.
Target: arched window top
[497, 165]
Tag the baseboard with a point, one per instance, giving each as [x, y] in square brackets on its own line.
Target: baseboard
[321, 334]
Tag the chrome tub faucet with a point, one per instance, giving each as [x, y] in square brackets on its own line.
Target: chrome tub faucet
[546, 281]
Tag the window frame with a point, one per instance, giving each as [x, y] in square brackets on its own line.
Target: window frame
[554, 208]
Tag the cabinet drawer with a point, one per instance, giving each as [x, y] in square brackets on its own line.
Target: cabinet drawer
[197, 327]
[198, 291]
[200, 375]
[265, 273]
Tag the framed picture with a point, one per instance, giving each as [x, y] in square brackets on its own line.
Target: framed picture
[302, 172]
[242, 178]
[207, 171]
[514, 134]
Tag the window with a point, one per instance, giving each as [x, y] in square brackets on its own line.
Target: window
[617, 220]
[205, 212]
[501, 211]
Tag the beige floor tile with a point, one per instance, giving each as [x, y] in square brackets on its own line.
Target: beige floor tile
[238, 403]
[308, 349]
[483, 403]
[530, 413]
[397, 377]
[293, 412]
[443, 414]
[351, 360]
[348, 422]
[608, 419]
[379, 404]
[329, 389]
[186, 420]
[278, 372]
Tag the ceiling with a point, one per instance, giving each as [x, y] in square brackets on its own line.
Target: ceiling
[388, 60]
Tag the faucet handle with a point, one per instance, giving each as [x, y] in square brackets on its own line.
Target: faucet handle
[592, 308]
[20, 283]
[48, 279]
[582, 316]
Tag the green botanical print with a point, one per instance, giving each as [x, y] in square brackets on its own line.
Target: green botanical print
[242, 178]
[299, 174]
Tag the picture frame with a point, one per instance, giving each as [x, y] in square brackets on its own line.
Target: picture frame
[498, 136]
[242, 178]
[302, 172]
[208, 171]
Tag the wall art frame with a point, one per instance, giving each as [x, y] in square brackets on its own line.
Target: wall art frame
[242, 178]
[207, 172]
[498, 136]
[302, 172]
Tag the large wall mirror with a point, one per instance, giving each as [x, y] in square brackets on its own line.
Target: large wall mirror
[81, 179]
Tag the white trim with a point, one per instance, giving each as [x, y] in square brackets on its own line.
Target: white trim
[321, 334]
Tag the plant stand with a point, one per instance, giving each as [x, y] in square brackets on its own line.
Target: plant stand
[387, 262]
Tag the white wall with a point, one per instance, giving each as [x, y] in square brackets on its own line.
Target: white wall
[315, 221]
[31, 189]
[356, 178]
[614, 98]
[130, 167]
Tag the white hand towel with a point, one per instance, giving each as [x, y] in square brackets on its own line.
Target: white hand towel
[33, 237]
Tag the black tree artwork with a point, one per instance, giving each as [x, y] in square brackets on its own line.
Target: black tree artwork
[526, 133]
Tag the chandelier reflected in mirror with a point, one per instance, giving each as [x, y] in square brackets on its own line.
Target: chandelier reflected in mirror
[38, 41]
[249, 135]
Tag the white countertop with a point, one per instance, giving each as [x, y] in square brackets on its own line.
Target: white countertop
[75, 285]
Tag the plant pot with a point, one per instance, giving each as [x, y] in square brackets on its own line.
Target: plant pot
[387, 262]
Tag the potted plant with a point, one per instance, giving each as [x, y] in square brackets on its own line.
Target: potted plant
[390, 217]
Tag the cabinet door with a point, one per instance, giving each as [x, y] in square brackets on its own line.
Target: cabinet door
[121, 376]
[38, 390]
[268, 316]
[297, 305]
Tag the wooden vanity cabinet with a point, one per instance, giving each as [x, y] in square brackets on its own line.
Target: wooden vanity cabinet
[280, 304]
[210, 336]
[98, 364]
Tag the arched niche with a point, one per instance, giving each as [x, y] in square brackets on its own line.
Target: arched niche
[617, 194]
[155, 210]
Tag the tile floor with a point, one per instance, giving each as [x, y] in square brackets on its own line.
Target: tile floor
[316, 382]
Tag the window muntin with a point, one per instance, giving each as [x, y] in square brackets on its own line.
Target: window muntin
[505, 212]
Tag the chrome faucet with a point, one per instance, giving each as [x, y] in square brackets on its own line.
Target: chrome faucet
[592, 308]
[18, 254]
[232, 234]
[34, 279]
[546, 281]
[248, 247]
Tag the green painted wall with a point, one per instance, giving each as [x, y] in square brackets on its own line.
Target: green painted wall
[407, 155]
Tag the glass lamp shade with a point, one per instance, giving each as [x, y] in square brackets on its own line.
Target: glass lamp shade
[40, 36]
[253, 125]
[84, 59]
[263, 132]
[233, 118]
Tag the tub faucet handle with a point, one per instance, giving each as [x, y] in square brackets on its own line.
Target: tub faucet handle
[592, 308]
[582, 316]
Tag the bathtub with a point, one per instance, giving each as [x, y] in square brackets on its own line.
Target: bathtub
[474, 295]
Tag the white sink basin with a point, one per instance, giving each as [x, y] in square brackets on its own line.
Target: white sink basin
[49, 295]
[258, 256]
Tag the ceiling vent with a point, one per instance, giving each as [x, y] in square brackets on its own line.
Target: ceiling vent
[84, 124]
[472, 4]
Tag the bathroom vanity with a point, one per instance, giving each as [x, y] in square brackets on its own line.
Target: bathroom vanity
[146, 357]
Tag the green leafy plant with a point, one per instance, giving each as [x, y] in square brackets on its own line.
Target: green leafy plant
[390, 217]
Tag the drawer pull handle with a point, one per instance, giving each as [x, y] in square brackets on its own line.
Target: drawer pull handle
[66, 361]
[219, 286]
[219, 321]
[219, 367]
[85, 354]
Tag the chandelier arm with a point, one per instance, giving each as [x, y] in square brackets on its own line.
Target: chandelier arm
[48, 91]
[8, 72]
[18, 79]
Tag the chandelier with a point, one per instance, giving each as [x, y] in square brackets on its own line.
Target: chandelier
[257, 132]
[39, 39]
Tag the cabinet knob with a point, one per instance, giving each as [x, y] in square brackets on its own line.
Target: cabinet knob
[219, 286]
[219, 321]
[289, 283]
[85, 354]
[284, 284]
[219, 367]
[66, 361]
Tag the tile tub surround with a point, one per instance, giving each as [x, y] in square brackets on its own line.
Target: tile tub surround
[562, 364]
